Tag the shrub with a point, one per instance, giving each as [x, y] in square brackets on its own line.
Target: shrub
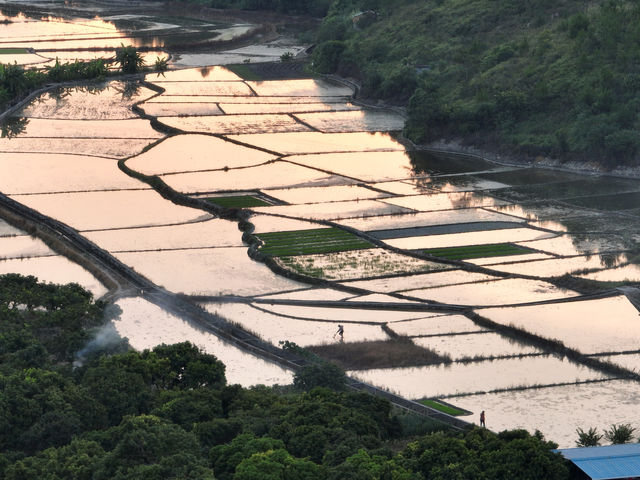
[161, 64]
[129, 59]
[286, 57]
[322, 374]
[326, 57]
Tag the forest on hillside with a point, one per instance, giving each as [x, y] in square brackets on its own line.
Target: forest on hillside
[545, 77]
[74, 406]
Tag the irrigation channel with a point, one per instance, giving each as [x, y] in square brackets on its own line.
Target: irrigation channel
[239, 213]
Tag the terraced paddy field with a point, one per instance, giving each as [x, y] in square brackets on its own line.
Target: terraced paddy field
[287, 208]
[306, 242]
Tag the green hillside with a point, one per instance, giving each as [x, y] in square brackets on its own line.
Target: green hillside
[78, 404]
[557, 78]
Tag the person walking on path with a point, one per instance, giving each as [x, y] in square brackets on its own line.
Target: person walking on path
[340, 332]
[482, 418]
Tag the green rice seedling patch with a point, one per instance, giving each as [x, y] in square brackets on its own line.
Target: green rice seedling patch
[13, 51]
[245, 72]
[444, 408]
[348, 265]
[238, 201]
[307, 242]
[478, 251]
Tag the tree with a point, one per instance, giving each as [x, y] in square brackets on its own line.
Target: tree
[479, 453]
[618, 434]
[225, 458]
[320, 374]
[363, 466]
[151, 448]
[276, 465]
[129, 59]
[77, 460]
[189, 367]
[189, 407]
[590, 438]
[326, 57]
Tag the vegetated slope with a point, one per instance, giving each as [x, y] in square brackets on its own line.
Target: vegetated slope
[169, 413]
[544, 77]
[317, 8]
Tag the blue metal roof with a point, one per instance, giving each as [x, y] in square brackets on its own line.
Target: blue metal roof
[606, 463]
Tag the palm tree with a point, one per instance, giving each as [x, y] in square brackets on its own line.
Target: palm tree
[590, 438]
[129, 59]
[618, 434]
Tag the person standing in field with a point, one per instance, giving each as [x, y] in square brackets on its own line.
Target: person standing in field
[340, 332]
[482, 419]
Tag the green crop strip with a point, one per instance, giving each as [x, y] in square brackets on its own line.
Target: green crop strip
[306, 242]
[244, 72]
[240, 201]
[441, 407]
[13, 51]
[478, 251]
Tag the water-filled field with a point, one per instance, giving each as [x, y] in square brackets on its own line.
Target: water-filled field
[403, 241]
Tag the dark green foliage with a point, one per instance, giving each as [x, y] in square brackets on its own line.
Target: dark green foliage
[13, 127]
[225, 458]
[167, 413]
[286, 57]
[16, 82]
[276, 465]
[217, 431]
[320, 374]
[306, 242]
[533, 78]
[42, 322]
[326, 57]
[482, 454]
[238, 201]
[617, 434]
[316, 8]
[129, 59]
[77, 70]
[77, 460]
[590, 438]
[148, 447]
[160, 64]
[126, 384]
[363, 466]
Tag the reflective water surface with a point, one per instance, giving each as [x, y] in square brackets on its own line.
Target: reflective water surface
[319, 159]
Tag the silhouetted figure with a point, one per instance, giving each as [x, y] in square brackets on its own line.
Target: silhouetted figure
[482, 424]
[340, 332]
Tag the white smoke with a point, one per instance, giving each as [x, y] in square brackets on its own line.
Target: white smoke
[106, 339]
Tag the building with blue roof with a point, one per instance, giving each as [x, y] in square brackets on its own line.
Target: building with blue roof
[604, 463]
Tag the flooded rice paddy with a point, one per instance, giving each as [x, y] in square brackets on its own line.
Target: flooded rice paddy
[145, 325]
[313, 158]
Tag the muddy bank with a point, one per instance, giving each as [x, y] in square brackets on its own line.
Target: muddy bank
[462, 146]
[589, 168]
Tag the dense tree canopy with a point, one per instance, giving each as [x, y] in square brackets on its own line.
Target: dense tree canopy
[167, 413]
[542, 77]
